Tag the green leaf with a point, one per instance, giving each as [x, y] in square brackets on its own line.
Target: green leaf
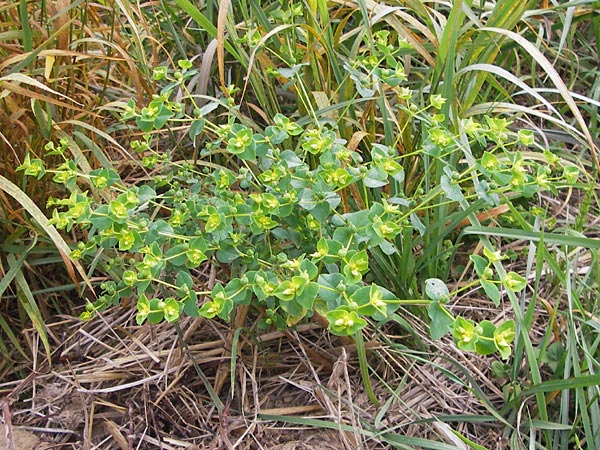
[383, 301]
[241, 143]
[376, 177]
[145, 194]
[440, 320]
[129, 278]
[32, 167]
[356, 267]
[276, 134]
[564, 384]
[308, 200]
[238, 291]
[164, 114]
[360, 300]
[291, 158]
[184, 64]
[264, 222]
[554, 355]
[291, 72]
[177, 255]
[156, 314]
[500, 370]
[362, 84]
[263, 283]
[485, 344]
[286, 291]
[219, 306]
[128, 240]
[480, 264]
[309, 268]
[307, 298]
[436, 290]
[227, 253]
[209, 310]
[117, 211]
[195, 257]
[190, 305]
[451, 189]
[437, 101]
[197, 127]
[331, 287]
[491, 290]
[418, 224]
[483, 190]
[571, 174]
[493, 256]
[102, 178]
[144, 125]
[213, 222]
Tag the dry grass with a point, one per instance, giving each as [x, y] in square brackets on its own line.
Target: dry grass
[116, 385]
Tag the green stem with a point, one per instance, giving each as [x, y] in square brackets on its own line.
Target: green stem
[364, 366]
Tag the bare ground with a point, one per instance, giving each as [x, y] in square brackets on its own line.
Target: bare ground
[115, 385]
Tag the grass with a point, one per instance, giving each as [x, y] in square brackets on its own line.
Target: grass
[69, 68]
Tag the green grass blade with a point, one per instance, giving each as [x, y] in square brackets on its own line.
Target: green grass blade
[209, 388]
[445, 58]
[565, 384]
[26, 29]
[471, 382]
[558, 82]
[168, 12]
[12, 338]
[364, 366]
[580, 359]
[535, 236]
[15, 268]
[510, 77]
[234, 352]
[206, 24]
[126, 9]
[28, 204]
[506, 15]
[100, 156]
[406, 442]
[30, 306]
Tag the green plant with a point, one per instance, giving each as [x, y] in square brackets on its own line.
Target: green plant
[420, 109]
[285, 213]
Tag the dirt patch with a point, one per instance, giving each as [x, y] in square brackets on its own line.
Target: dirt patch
[22, 440]
[311, 441]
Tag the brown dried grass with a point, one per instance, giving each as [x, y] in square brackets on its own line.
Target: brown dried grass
[116, 385]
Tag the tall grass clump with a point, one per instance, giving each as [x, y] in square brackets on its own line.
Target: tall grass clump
[62, 65]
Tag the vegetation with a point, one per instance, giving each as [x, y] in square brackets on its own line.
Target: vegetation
[417, 180]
